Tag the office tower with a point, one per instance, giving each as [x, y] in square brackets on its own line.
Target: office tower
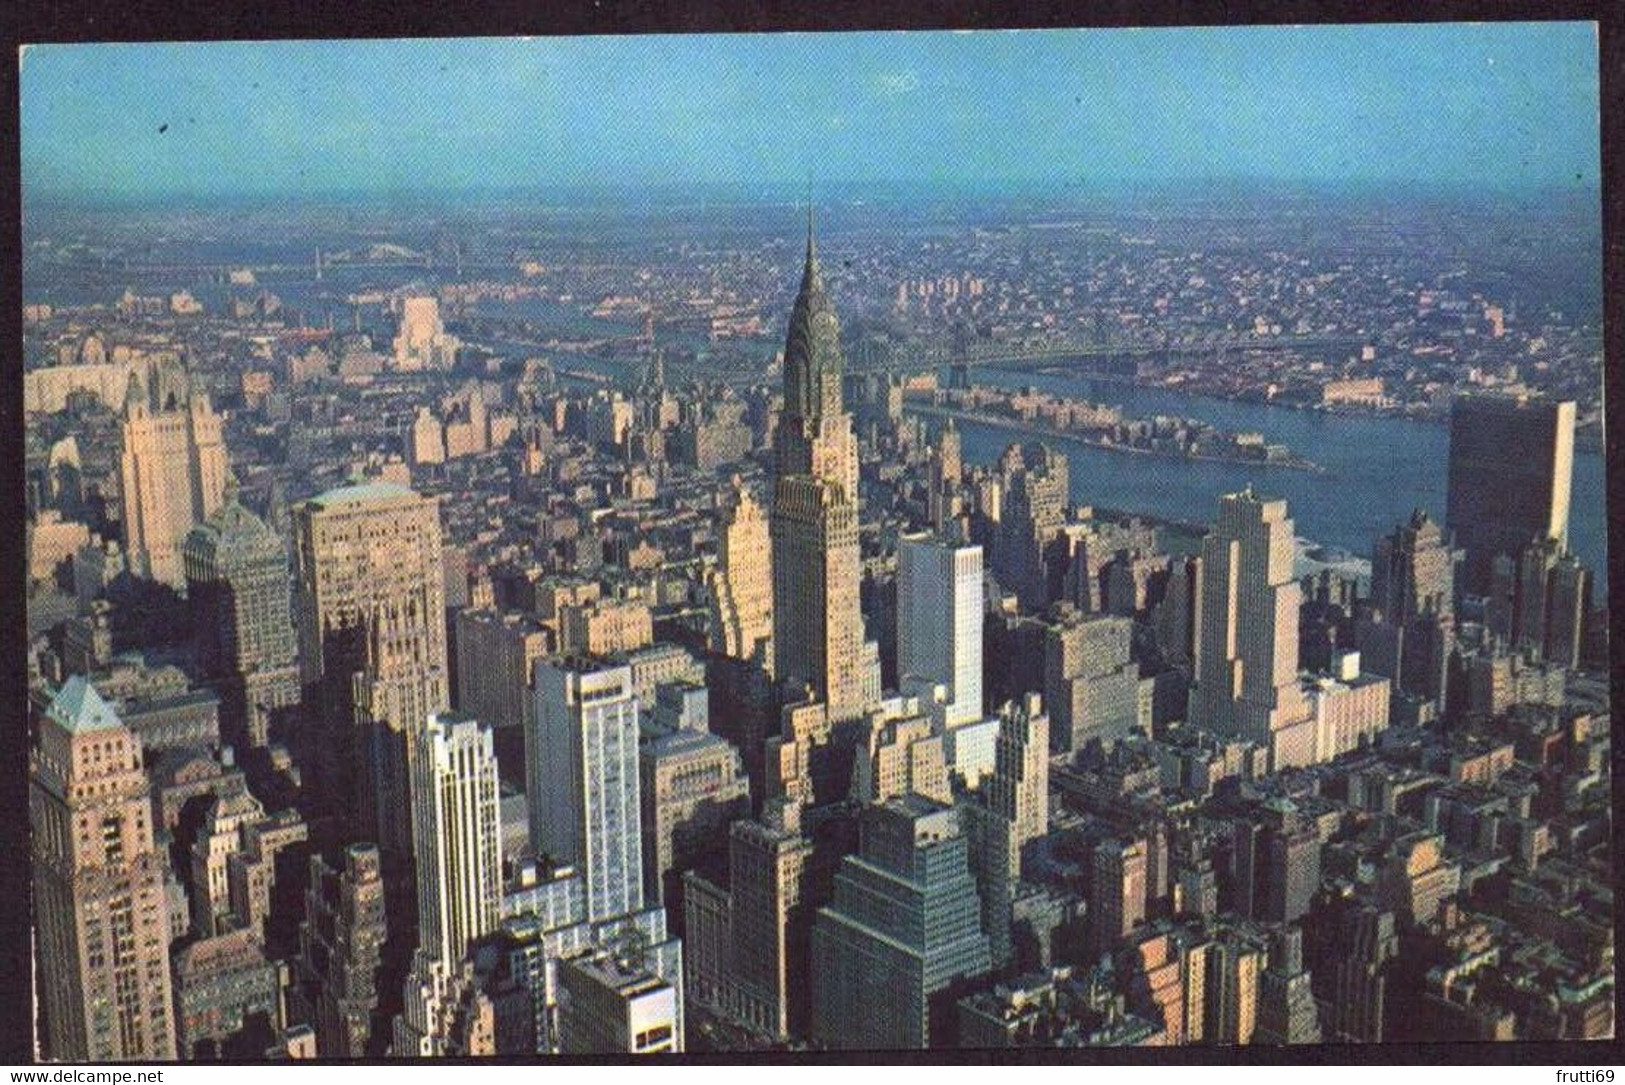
[468, 428]
[456, 826]
[422, 342]
[817, 619]
[1117, 892]
[1155, 987]
[1286, 1000]
[101, 923]
[1550, 601]
[1087, 552]
[1275, 862]
[611, 1004]
[1032, 513]
[1091, 683]
[227, 999]
[496, 658]
[446, 1013]
[1012, 810]
[1416, 877]
[581, 775]
[1568, 613]
[947, 466]
[1352, 943]
[746, 942]
[1413, 571]
[693, 784]
[901, 934]
[1511, 467]
[1018, 790]
[258, 902]
[1177, 616]
[939, 624]
[372, 640]
[218, 838]
[1349, 708]
[341, 951]
[238, 587]
[741, 585]
[771, 929]
[1230, 1001]
[1413, 587]
[1247, 675]
[1289, 875]
[605, 626]
[903, 755]
[172, 463]
[426, 440]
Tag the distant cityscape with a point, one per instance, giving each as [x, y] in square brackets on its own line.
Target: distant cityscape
[1038, 619]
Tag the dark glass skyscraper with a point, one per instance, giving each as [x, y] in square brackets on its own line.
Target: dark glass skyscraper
[1511, 467]
[904, 925]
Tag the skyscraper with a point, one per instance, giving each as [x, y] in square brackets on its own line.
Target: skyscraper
[1413, 571]
[581, 774]
[341, 948]
[610, 1003]
[238, 586]
[458, 833]
[1551, 601]
[1413, 585]
[1012, 809]
[496, 658]
[372, 638]
[1353, 941]
[817, 619]
[422, 342]
[1511, 468]
[1091, 683]
[946, 468]
[102, 926]
[1247, 674]
[1117, 894]
[1018, 790]
[173, 469]
[759, 924]
[693, 786]
[742, 583]
[901, 933]
[1031, 514]
[939, 622]
[1286, 1000]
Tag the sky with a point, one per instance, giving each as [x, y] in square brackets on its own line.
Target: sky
[1509, 105]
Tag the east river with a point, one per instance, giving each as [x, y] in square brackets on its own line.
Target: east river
[1377, 468]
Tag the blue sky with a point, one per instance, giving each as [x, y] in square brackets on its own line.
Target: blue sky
[1504, 104]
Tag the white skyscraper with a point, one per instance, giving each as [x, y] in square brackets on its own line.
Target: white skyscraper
[939, 623]
[581, 773]
[173, 470]
[457, 832]
[423, 342]
[1247, 675]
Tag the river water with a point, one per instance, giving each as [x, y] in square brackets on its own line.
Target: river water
[1377, 468]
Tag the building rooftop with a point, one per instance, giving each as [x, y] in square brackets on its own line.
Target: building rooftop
[79, 708]
[363, 492]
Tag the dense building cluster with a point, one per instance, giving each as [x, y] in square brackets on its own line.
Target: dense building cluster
[430, 702]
